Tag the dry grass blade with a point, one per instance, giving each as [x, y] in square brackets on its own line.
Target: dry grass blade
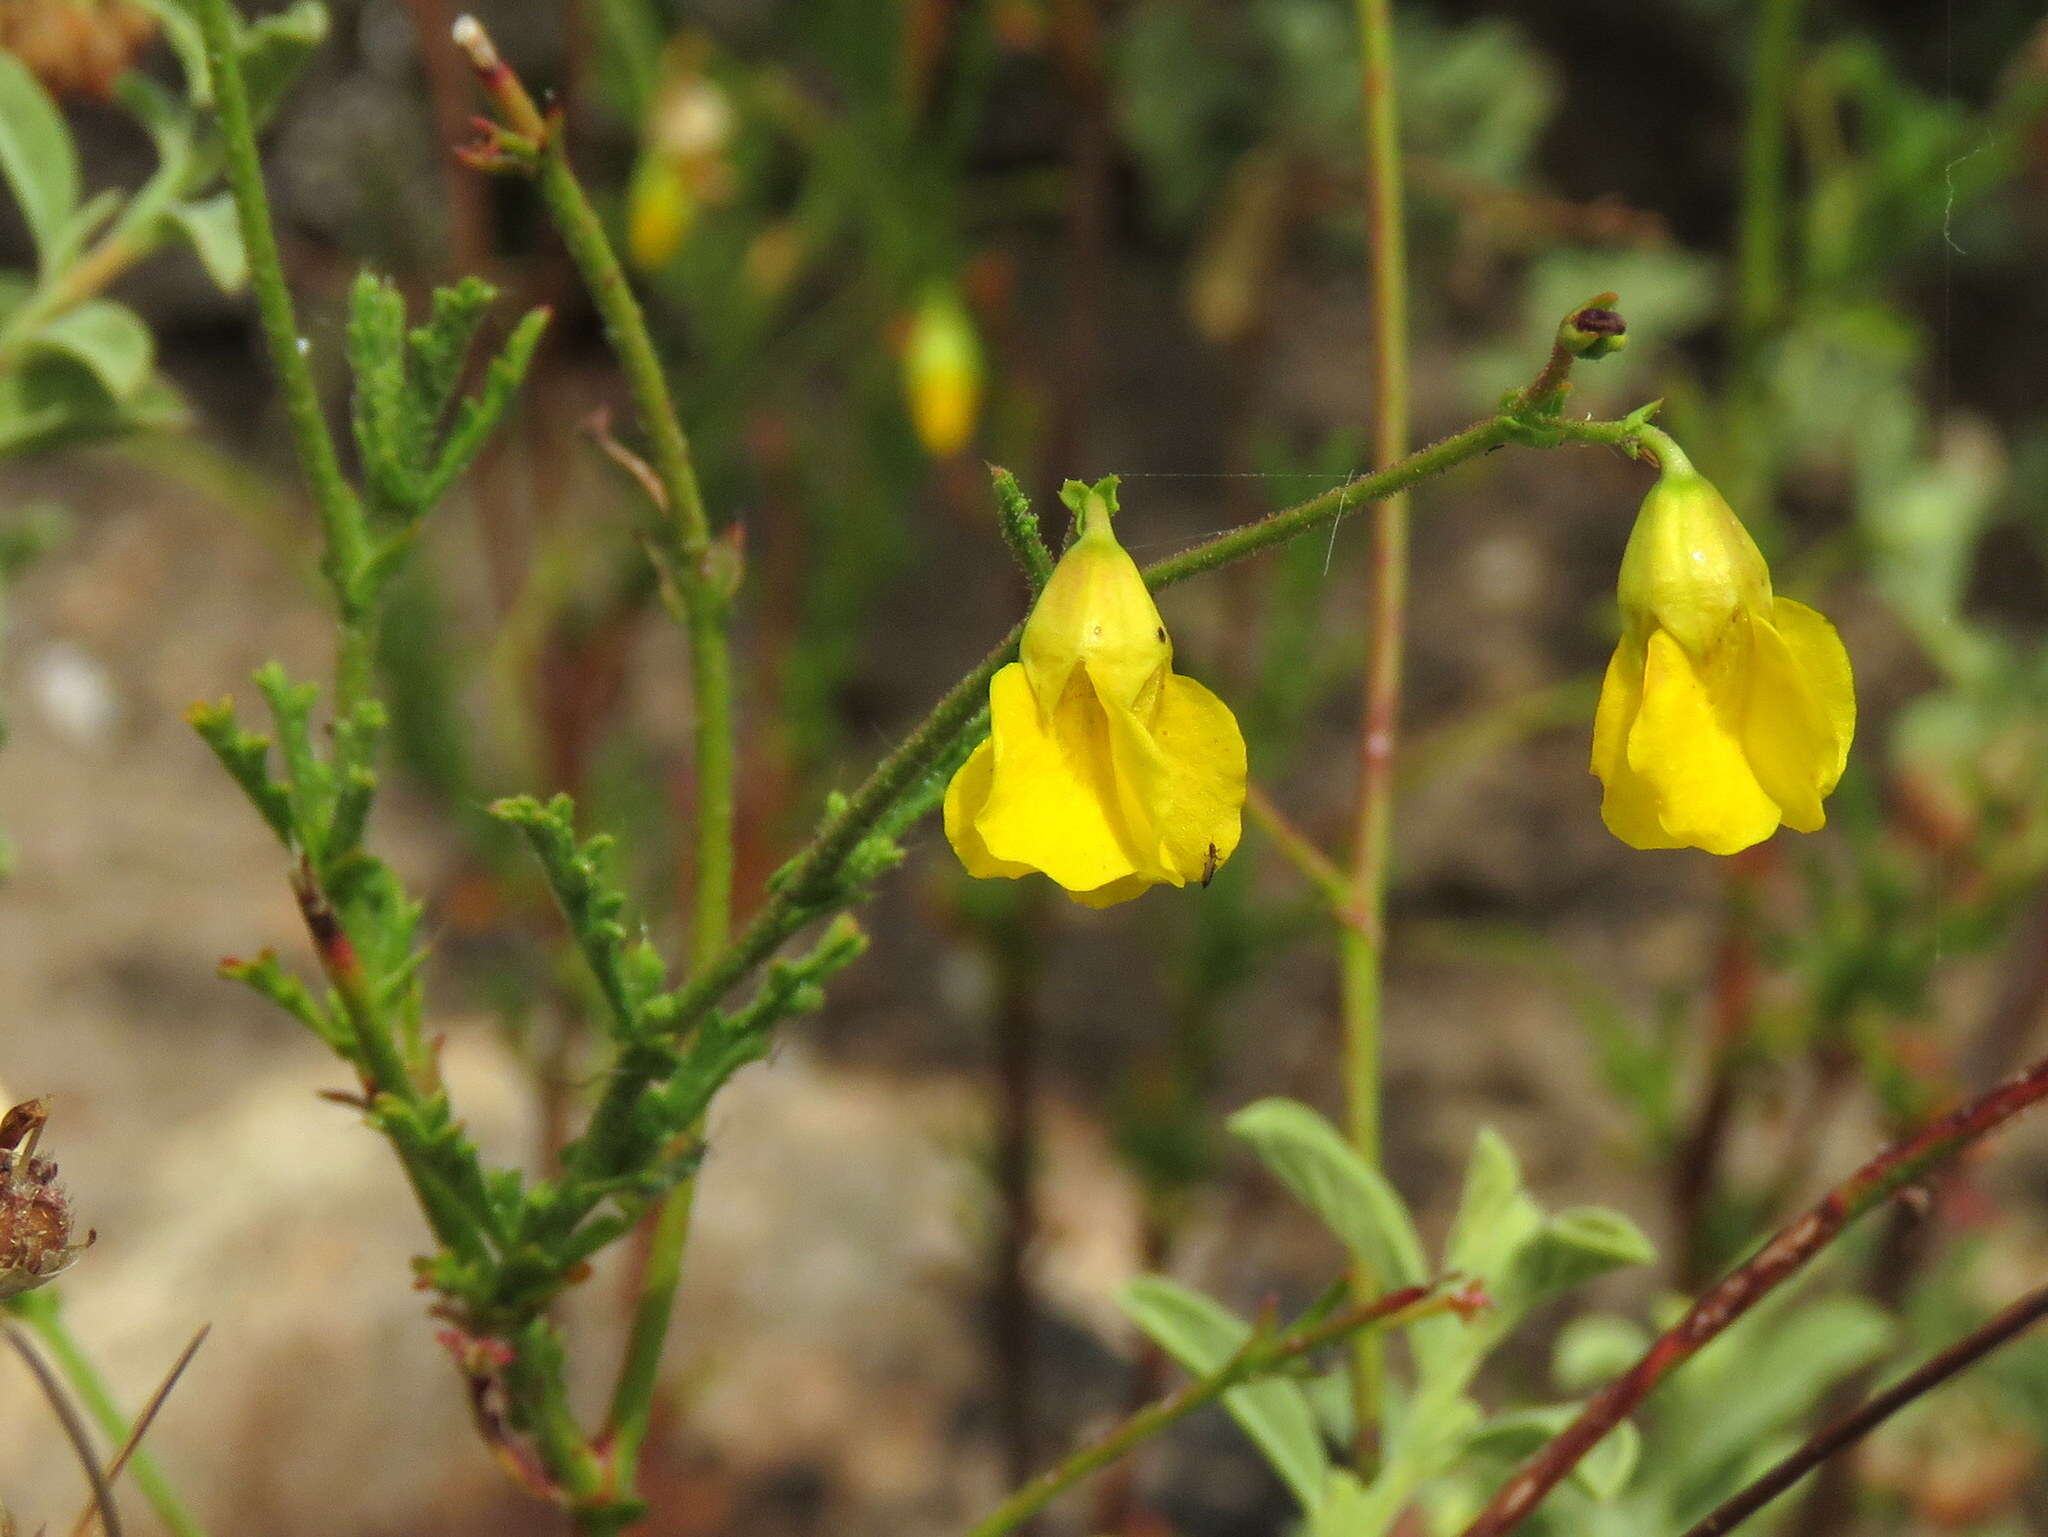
[83, 1526]
[74, 1427]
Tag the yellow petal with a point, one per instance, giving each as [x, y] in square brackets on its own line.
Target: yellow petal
[1115, 892]
[1627, 803]
[1052, 800]
[1181, 775]
[1786, 734]
[966, 794]
[1685, 745]
[1824, 662]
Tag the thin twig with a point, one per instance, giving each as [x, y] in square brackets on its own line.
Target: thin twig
[1846, 1432]
[143, 1421]
[1788, 1251]
[1300, 850]
[74, 1427]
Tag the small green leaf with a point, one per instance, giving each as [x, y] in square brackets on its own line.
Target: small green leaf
[1308, 1156]
[1516, 1433]
[216, 235]
[181, 31]
[37, 156]
[1203, 1336]
[275, 48]
[1572, 1248]
[1348, 1509]
[1495, 1215]
[1605, 1470]
[1594, 1348]
[108, 338]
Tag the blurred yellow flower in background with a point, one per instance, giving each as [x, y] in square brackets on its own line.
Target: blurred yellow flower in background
[1104, 768]
[682, 167]
[1726, 710]
[942, 372]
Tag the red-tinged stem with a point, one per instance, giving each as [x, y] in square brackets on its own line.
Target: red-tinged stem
[1850, 1429]
[1742, 1288]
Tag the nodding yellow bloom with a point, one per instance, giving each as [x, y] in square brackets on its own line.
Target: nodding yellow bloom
[1726, 710]
[942, 373]
[1104, 768]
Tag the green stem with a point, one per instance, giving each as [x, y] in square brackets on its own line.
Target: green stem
[632, 1403]
[341, 517]
[1760, 248]
[43, 1314]
[1361, 950]
[1258, 1358]
[683, 541]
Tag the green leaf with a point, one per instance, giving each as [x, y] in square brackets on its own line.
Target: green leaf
[275, 48]
[1572, 1248]
[181, 31]
[1325, 1172]
[37, 156]
[1605, 1470]
[1516, 1433]
[1348, 1509]
[54, 401]
[216, 235]
[109, 339]
[1495, 1215]
[1203, 1336]
[1595, 1347]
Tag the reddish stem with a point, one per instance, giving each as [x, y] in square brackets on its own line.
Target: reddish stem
[1742, 1288]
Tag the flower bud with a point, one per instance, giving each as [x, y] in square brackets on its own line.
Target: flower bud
[1690, 566]
[1095, 612]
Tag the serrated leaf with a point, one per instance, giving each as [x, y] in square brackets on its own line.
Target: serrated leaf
[1306, 1154]
[212, 227]
[1203, 1336]
[37, 156]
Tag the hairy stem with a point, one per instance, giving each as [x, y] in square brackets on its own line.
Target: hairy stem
[1361, 949]
[341, 517]
[682, 542]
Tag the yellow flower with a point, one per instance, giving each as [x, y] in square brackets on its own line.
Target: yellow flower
[660, 209]
[942, 373]
[1725, 710]
[1104, 769]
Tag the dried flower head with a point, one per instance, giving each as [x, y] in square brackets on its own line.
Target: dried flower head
[35, 1214]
